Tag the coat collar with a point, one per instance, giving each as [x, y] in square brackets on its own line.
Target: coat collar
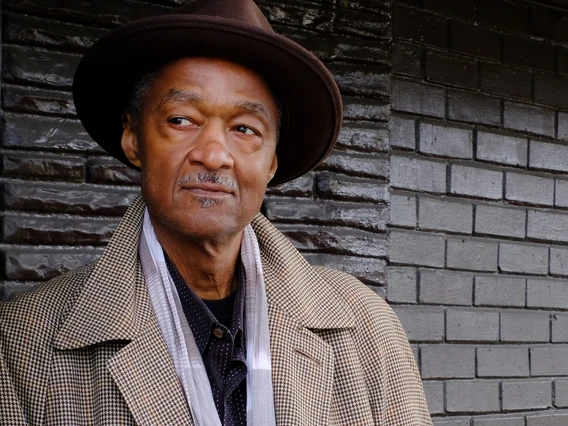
[114, 303]
[293, 286]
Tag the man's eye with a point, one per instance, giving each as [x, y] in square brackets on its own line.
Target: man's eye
[179, 121]
[246, 130]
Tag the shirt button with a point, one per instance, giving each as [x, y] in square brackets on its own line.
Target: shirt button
[218, 332]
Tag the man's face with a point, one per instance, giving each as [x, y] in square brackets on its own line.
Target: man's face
[205, 142]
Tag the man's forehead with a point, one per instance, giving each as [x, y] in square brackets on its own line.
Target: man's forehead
[189, 96]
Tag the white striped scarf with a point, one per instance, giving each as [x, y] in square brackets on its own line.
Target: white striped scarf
[181, 344]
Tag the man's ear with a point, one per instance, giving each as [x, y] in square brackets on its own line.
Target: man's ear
[273, 167]
[129, 141]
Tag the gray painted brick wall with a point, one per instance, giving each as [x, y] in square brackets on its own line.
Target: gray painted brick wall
[422, 323]
[402, 132]
[472, 325]
[403, 210]
[549, 360]
[473, 254]
[561, 393]
[445, 287]
[447, 361]
[523, 258]
[561, 193]
[500, 221]
[403, 288]
[502, 361]
[547, 293]
[548, 156]
[415, 173]
[444, 141]
[434, 392]
[495, 290]
[559, 328]
[445, 215]
[502, 148]
[525, 326]
[523, 394]
[529, 188]
[491, 76]
[547, 225]
[559, 419]
[426, 249]
[476, 182]
[499, 421]
[529, 118]
[478, 396]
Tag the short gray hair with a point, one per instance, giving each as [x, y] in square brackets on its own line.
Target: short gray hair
[139, 92]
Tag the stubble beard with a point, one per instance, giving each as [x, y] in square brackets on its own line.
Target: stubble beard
[207, 202]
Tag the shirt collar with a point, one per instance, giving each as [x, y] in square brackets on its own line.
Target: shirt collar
[199, 317]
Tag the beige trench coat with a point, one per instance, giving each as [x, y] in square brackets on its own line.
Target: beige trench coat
[86, 349]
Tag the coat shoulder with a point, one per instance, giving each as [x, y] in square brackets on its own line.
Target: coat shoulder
[44, 305]
[364, 301]
[377, 324]
[29, 322]
[387, 360]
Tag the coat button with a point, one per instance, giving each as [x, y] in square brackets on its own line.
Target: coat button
[218, 332]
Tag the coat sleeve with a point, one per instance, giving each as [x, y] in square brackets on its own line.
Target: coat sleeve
[28, 321]
[10, 410]
[393, 381]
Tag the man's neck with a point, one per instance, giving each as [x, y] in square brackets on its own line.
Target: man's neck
[208, 267]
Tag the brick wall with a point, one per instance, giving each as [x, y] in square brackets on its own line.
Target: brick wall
[61, 196]
[337, 215]
[462, 190]
[479, 220]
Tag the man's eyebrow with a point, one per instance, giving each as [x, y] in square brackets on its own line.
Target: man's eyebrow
[253, 107]
[176, 95]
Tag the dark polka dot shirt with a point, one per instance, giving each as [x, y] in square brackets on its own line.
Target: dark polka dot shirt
[218, 328]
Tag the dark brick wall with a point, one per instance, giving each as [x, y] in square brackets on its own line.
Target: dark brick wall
[479, 170]
[61, 196]
[461, 190]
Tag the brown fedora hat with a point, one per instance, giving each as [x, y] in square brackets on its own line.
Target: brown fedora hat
[235, 30]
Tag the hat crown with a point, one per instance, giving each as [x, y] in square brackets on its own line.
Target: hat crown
[245, 11]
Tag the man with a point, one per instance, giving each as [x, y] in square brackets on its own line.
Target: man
[200, 311]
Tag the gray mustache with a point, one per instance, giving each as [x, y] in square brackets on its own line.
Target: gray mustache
[208, 177]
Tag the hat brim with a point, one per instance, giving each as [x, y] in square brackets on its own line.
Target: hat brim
[106, 75]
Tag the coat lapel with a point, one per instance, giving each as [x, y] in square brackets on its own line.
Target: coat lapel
[302, 361]
[145, 375]
[114, 305]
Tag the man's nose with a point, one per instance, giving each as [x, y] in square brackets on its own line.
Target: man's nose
[211, 148]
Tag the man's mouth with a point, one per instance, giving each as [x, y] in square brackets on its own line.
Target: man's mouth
[207, 189]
